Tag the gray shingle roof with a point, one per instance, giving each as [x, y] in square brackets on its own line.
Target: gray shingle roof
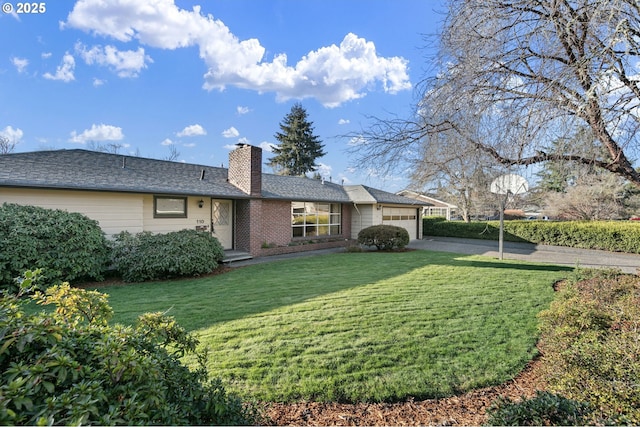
[90, 170]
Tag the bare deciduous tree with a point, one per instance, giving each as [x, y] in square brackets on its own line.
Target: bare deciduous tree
[173, 155]
[111, 147]
[528, 72]
[6, 145]
[592, 197]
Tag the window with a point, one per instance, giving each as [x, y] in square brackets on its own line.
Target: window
[169, 207]
[311, 219]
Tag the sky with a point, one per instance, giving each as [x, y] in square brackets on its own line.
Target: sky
[197, 77]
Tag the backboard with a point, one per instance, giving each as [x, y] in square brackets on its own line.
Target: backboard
[509, 184]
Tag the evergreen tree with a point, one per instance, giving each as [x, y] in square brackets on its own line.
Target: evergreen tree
[299, 147]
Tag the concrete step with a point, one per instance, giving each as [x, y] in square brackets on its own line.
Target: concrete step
[233, 256]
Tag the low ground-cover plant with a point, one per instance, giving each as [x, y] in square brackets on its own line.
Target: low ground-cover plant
[591, 343]
[70, 367]
[68, 246]
[384, 237]
[358, 326]
[147, 256]
[545, 409]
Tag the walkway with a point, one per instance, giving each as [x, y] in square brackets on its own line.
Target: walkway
[628, 263]
[559, 255]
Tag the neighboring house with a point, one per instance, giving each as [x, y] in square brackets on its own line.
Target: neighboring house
[247, 210]
[433, 206]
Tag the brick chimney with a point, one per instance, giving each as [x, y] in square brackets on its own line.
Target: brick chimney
[245, 169]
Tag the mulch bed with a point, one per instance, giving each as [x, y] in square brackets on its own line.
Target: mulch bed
[467, 409]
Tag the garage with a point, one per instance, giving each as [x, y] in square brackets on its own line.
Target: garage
[406, 218]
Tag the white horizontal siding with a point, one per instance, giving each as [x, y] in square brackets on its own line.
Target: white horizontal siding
[362, 217]
[196, 216]
[115, 212]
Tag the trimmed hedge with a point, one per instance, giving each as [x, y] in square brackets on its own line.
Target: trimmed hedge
[614, 236]
[67, 246]
[147, 256]
[384, 237]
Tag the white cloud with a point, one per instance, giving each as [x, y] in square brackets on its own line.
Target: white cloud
[334, 74]
[230, 133]
[189, 145]
[243, 140]
[230, 147]
[344, 179]
[267, 146]
[46, 55]
[13, 135]
[100, 132]
[242, 110]
[344, 121]
[125, 63]
[324, 170]
[357, 140]
[20, 64]
[64, 71]
[167, 141]
[98, 82]
[193, 130]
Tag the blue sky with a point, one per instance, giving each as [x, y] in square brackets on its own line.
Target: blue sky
[203, 76]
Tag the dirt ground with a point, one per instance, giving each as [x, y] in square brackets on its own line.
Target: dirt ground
[466, 409]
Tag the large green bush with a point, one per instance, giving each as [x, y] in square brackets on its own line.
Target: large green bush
[67, 246]
[148, 256]
[70, 367]
[590, 339]
[384, 237]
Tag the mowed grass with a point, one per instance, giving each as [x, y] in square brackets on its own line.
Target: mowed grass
[355, 327]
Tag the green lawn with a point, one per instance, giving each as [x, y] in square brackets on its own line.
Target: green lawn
[358, 326]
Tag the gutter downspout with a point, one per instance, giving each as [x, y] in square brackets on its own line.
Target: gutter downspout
[359, 214]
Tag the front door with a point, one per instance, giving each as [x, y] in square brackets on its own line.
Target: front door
[221, 222]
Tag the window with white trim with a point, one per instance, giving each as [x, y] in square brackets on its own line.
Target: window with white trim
[169, 207]
[314, 219]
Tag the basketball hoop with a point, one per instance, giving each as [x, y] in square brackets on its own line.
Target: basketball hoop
[508, 185]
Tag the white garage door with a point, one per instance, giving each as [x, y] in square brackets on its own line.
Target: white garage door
[401, 217]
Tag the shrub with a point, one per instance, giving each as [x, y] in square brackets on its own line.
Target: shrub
[67, 246]
[69, 367]
[384, 237]
[147, 256]
[614, 236]
[590, 341]
[545, 409]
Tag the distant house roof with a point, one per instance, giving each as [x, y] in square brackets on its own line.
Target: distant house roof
[90, 170]
[428, 200]
[363, 194]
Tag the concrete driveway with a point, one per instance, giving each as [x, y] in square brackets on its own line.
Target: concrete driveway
[558, 255]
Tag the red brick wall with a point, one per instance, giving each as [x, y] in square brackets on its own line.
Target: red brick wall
[276, 220]
[245, 169]
[277, 235]
[331, 243]
[249, 226]
[263, 227]
[242, 225]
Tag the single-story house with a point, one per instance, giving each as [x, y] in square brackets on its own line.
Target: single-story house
[433, 206]
[246, 209]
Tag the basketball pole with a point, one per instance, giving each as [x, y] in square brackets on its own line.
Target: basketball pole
[507, 185]
[503, 205]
